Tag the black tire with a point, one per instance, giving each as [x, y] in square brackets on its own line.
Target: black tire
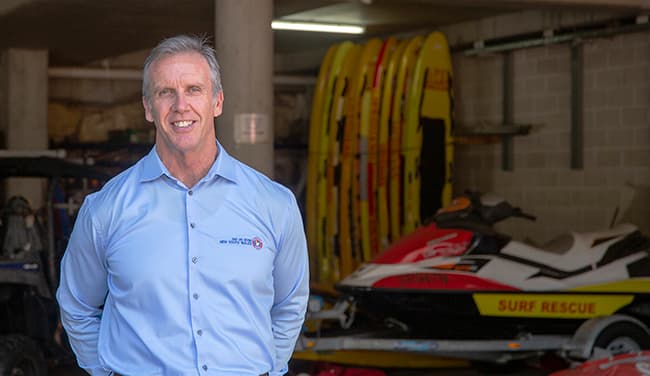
[20, 356]
[623, 337]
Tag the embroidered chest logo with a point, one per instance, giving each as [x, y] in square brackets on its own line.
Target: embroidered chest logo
[255, 242]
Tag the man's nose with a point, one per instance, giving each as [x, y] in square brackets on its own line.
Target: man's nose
[180, 103]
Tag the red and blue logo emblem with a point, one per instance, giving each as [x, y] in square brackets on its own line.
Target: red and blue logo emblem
[257, 243]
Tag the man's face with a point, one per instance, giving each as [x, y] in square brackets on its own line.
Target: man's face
[182, 105]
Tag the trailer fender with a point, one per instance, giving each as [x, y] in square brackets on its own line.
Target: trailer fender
[584, 339]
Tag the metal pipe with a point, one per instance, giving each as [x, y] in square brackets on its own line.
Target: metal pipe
[55, 153]
[629, 25]
[136, 75]
[507, 145]
[577, 106]
[95, 73]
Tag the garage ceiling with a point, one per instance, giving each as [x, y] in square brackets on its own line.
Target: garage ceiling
[77, 32]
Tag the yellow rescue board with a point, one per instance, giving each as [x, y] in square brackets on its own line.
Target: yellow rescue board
[405, 66]
[340, 255]
[312, 161]
[427, 143]
[368, 149]
[324, 248]
[394, 49]
[349, 212]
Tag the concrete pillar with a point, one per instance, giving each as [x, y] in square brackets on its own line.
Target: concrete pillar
[23, 113]
[244, 45]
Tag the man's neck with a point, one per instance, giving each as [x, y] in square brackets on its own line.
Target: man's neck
[189, 167]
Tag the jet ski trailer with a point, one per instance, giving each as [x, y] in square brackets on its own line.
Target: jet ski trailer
[595, 338]
[457, 286]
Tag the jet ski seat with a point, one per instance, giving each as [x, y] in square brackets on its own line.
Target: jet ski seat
[572, 250]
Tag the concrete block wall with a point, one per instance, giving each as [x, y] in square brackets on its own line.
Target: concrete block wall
[616, 172]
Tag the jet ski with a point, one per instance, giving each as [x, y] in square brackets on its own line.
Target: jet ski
[459, 277]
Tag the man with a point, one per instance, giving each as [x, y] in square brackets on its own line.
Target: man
[189, 262]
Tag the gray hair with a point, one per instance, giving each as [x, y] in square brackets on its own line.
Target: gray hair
[178, 45]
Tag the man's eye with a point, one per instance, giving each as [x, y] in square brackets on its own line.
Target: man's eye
[166, 92]
[195, 89]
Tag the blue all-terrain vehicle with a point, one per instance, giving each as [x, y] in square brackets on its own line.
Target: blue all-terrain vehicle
[32, 242]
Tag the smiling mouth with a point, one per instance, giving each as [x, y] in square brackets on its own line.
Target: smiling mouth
[183, 123]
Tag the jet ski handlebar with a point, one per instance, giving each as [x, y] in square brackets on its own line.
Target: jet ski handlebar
[502, 211]
[483, 208]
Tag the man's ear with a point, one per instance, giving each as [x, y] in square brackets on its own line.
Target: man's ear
[218, 105]
[147, 110]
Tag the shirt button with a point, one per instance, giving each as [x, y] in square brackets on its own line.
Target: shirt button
[195, 296]
[205, 368]
[192, 225]
[199, 332]
[195, 259]
[190, 192]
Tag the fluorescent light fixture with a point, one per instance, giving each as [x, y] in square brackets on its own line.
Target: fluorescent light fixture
[317, 27]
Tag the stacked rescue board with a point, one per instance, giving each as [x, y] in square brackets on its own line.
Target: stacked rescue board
[380, 148]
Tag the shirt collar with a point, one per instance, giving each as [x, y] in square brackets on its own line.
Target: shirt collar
[224, 166]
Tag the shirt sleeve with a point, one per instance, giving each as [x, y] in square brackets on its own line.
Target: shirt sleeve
[82, 291]
[291, 283]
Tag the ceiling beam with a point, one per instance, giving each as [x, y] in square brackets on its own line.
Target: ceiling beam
[532, 4]
[610, 4]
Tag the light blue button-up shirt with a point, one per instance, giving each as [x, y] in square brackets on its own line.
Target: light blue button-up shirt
[159, 279]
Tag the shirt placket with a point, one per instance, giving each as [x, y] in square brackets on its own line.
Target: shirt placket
[194, 285]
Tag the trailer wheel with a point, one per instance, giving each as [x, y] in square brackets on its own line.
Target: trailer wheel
[621, 338]
[20, 356]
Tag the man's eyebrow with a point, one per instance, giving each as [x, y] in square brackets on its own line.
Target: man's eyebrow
[161, 87]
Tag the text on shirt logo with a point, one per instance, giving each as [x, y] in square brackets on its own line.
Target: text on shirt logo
[255, 242]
